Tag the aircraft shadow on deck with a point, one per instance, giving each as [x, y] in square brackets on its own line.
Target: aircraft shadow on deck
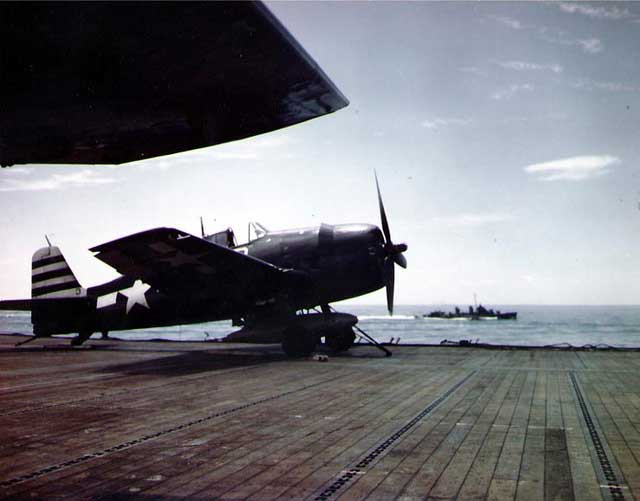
[194, 362]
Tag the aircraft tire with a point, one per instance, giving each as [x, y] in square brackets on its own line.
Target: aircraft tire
[340, 340]
[298, 342]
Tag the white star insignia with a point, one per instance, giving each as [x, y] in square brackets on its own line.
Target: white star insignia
[136, 294]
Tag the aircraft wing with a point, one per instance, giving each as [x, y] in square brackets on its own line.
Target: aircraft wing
[176, 262]
[114, 82]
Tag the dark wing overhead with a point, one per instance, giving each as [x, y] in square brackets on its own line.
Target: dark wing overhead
[175, 262]
[114, 82]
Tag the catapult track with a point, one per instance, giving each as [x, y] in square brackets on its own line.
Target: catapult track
[216, 420]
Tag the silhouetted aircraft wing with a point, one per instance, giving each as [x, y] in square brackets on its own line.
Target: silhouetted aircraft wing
[176, 262]
[114, 82]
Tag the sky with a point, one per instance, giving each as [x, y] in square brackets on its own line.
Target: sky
[504, 135]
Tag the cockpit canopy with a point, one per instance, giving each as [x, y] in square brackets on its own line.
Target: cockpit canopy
[256, 230]
[227, 238]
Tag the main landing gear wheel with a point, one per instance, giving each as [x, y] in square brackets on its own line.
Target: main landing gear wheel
[298, 342]
[340, 340]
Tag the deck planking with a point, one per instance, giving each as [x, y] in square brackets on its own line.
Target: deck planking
[212, 420]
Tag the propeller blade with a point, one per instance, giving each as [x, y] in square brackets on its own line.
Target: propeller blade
[393, 253]
[389, 281]
[400, 260]
[383, 214]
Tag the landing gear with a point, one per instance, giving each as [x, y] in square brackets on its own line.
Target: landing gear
[338, 340]
[82, 337]
[105, 334]
[298, 342]
[26, 341]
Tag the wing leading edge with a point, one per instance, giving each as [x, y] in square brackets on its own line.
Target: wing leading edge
[108, 83]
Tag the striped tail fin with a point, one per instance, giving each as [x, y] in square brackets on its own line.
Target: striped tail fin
[51, 276]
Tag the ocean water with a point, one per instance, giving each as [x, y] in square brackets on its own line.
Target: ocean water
[536, 326]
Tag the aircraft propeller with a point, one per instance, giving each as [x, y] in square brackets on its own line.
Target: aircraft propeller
[392, 253]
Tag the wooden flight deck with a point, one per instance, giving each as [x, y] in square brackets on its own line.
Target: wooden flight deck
[168, 420]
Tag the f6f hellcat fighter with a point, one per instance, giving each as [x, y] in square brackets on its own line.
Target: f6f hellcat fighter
[170, 277]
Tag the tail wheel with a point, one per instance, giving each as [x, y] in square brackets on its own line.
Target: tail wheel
[340, 340]
[298, 342]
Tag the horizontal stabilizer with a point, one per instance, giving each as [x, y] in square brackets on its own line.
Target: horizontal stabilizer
[54, 315]
[63, 303]
[16, 304]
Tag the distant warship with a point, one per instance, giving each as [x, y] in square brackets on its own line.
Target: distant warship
[479, 313]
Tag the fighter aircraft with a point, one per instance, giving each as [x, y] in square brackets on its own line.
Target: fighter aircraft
[115, 82]
[270, 283]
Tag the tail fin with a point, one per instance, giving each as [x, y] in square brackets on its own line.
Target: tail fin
[51, 276]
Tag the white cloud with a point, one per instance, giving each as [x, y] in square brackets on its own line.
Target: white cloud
[439, 123]
[234, 155]
[591, 45]
[20, 171]
[617, 87]
[472, 219]
[510, 22]
[595, 11]
[588, 45]
[526, 66]
[76, 179]
[243, 150]
[252, 148]
[473, 70]
[512, 90]
[169, 161]
[606, 86]
[573, 168]
[273, 141]
[558, 116]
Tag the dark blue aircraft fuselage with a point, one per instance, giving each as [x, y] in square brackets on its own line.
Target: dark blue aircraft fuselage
[325, 264]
